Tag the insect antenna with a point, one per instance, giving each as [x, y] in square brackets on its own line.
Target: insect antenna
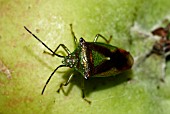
[50, 78]
[43, 43]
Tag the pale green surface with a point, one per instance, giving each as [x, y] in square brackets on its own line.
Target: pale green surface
[49, 20]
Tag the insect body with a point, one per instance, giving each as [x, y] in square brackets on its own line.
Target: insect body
[91, 59]
[102, 60]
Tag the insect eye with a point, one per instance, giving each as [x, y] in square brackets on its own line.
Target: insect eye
[81, 40]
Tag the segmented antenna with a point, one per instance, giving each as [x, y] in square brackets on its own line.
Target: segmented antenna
[43, 43]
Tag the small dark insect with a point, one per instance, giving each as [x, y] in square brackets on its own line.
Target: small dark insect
[91, 59]
[162, 46]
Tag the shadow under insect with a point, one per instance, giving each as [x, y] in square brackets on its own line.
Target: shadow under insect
[98, 84]
[94, 84]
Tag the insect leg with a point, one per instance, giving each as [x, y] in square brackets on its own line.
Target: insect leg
[66, 83]
[72, 32]
[99, 35]
[83, 93]
[54, 52]
[50, 78]
[64, 47]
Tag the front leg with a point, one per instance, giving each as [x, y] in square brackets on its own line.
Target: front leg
[66, 83]
[54, 52]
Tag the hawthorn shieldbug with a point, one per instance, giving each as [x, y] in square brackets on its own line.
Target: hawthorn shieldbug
[91, 59]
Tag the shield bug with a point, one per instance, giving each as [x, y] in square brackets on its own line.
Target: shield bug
[91, 59]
